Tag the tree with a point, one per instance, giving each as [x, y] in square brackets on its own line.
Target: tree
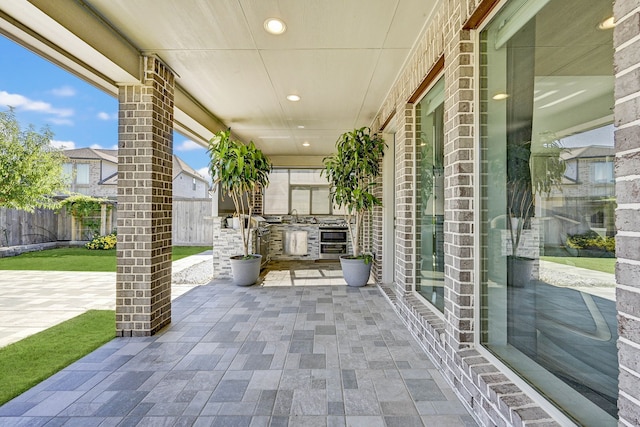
[240, 170]
[30, 168]
[351, 172]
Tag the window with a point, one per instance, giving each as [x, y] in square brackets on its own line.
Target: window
[276, 195]
[430, 181]
[78, 174]
[602, 172]
[194, 185]
[67, 170]
[82, 173]
[546, 136]
[301, 189]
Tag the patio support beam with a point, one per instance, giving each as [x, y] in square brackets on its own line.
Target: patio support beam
[145, 149]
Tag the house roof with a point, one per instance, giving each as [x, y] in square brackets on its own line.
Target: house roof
[92, 153]
[179, 165]
[590, 151]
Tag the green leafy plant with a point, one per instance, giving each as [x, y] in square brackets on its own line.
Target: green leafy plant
[103, 242]
[351, 172]
[30, 167]
[529, 174]
[591, 240]
[240, 170]
[84, 209]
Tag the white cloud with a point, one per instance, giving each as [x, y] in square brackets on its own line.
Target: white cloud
[188, 145]
[113, 147]
[96, 146]
[65, 122]
[106, 116]
[204, 172]
[65, 145]
[64, 91]
[21, 102]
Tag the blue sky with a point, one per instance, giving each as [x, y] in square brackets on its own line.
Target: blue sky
[79, 114]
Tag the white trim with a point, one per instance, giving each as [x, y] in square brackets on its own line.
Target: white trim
[630, 372]
[624, 153]
[539, 399]
[432, 308]
[628, 233]
[630, 124]
[628, 43]
[629, 15]
[627, 98]
[627, 70]
[628, 206]
[630, 344]
[630, 262]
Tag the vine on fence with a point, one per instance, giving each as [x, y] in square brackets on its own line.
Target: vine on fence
[84, 209]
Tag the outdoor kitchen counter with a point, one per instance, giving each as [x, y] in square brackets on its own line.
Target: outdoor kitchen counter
[279, 234]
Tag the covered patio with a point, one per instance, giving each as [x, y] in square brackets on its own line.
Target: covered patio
[258, 356]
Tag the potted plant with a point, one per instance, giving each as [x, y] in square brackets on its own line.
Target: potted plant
[351, 172]
[240, 170]
[528, 174]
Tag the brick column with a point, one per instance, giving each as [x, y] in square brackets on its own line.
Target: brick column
[459, 208]
[627, 140]
[145, 147]
[405, 201]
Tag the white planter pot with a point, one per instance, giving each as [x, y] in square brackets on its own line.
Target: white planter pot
[355, 271]
[245, 272]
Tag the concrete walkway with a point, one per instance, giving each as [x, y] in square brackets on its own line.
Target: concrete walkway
[31, 301]
[255, 356]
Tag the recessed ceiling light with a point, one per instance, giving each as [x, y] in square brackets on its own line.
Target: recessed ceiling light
[275, 26]
[300, 127]
[293, 98]
[305, 144]
[500, 96]
[607, 24]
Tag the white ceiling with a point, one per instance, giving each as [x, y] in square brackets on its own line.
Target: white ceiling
[340, 56]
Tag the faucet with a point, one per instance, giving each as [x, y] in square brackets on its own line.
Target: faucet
[295, 216]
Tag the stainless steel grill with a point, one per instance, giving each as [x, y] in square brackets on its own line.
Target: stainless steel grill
[333, 242]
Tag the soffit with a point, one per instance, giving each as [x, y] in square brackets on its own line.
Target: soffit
[341, 57]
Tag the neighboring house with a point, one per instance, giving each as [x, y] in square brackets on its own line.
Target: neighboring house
[94, 172]
[586, 198]
[187, 183]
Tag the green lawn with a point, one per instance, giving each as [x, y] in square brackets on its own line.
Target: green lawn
[28, 362]
[606, 265]
[79, 259]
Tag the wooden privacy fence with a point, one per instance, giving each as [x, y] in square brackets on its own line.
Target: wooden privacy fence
[192, 225]
[192, 222]
[23, 228]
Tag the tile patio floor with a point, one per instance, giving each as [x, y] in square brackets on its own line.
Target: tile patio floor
[324, 355]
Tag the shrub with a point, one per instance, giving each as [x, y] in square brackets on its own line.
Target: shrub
[103, 242]
[591, 240]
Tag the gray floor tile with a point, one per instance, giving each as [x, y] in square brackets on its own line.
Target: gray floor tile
[313, 361]
[319, 355]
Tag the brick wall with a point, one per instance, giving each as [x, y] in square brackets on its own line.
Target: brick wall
[145, 146]
[627, 171]
[227, 243]
[449, 339]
